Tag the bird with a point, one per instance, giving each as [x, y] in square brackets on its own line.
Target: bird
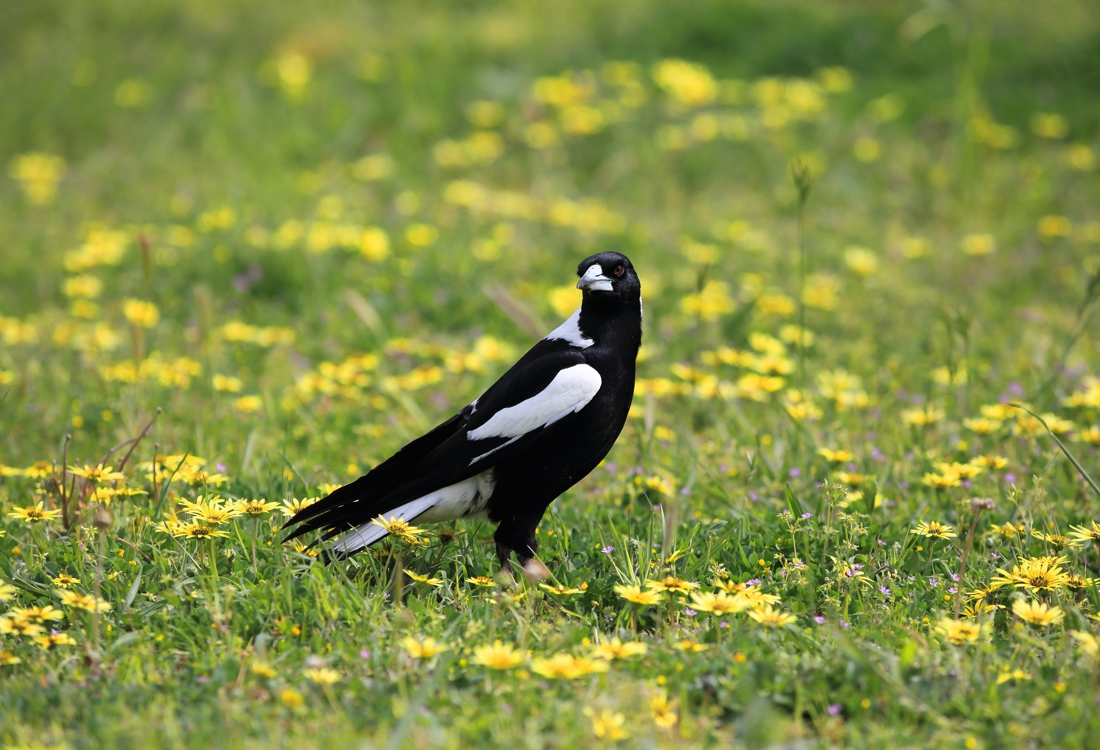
[506, 456]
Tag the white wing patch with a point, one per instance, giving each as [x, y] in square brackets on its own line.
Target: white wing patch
[569, 392]
[570, 332]
[459, 500]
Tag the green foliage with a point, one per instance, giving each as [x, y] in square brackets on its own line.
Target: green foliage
[275, 241]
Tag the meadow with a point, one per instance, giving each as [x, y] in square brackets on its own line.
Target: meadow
[251, 249]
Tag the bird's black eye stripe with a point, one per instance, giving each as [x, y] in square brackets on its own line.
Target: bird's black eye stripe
[618, 271]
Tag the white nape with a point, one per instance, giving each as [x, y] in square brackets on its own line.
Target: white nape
[464, 499]
[569, 392]
[570, 332]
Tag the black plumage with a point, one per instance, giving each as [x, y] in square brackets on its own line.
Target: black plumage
[541, 428]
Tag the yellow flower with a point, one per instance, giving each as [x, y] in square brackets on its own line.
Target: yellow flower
[922, 417]
[990, 462]
[635, 595]
[292, 699]
[663, 711]
[400, 528]
[7, 658]
[198, 530]
[560, 590]
[1036, 574]
[322, 675]
[978, 244]
[141, 313]
[961, 632]
[1006, 529]
[942, 481]
[38, 470]
[48, 613]
[483, 581]
[1085, 534]
[766, 615]
[616, 649]
[423, 649]
[1058, 541]
[497, 656]
[720, 603]
[7, 591]
[50, 640]
[1037, 613]
[293, 507]
[755, 596]
[10, 626]
[567, 667]
[982, 425]
[838, 456]
[712, 301]
[1087, 642]
[34, 513]
[98, 474]
[1012, 674]
[607, 725]
[254, 507]
[672, 584]
[38, 175]
[64, 580]
[87, 602]
[424, 579]
[263, 669]
[1077, 582]
[692, 646]
[934, 530]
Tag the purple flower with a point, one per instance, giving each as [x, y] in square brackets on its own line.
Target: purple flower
[752, 582]
[203, 678]
[955, 577]
[877, 454]
[844, 624]
[933, 582]
[220, 467]
[690, 612]
[819, 619]
[807, 515]
[951, 589]
[723, 624]
[884, 591]
[364, 654]
[881, 543]
[833, 709]
[795, 473]
[611, 467]
[1011, 478]
[607, 550]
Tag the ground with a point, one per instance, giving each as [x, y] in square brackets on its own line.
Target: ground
[855, 503]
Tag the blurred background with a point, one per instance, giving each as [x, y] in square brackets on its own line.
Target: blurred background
[219, 207]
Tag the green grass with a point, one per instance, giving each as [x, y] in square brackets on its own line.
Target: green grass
[214, 165]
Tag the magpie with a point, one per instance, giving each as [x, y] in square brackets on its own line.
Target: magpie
[540, 429]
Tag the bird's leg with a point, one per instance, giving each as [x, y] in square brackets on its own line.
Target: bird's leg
[504, 555]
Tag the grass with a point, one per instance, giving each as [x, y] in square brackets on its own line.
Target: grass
[250, 251]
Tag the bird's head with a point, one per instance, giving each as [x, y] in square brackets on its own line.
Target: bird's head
[609, 278]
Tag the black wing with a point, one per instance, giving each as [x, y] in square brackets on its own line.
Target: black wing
[444, 455]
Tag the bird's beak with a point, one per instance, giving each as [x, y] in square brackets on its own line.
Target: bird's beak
[594, 280]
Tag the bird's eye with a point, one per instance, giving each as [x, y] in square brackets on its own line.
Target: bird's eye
[618, 270]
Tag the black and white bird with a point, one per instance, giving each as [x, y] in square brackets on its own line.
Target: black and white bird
[536, 432]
